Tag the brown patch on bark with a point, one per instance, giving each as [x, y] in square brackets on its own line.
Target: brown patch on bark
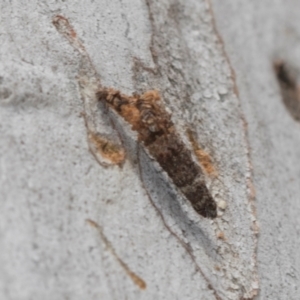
[217, 268]
[221, 235]
[112, 152]
[63, 26]
[202, 156]
[157, 133]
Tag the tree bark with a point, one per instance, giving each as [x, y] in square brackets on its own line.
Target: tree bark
[87, 211]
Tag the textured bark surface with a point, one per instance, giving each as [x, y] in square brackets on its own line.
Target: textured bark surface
[86, 212]
[269, 31]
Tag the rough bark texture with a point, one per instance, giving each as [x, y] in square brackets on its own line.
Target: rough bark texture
[86, 210]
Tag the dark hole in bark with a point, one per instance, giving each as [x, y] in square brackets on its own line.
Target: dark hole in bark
[290, 88]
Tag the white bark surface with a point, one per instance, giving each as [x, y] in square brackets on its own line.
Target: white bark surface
[266, 30]
[145, 241]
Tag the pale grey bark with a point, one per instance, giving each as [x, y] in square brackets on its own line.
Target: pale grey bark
[72, 228]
